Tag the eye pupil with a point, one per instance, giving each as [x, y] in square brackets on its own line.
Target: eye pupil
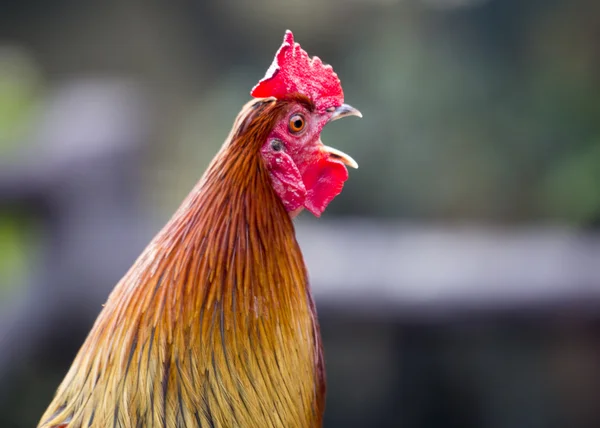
[298, 123]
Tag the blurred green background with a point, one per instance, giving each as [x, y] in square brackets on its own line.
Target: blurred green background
[478, 113]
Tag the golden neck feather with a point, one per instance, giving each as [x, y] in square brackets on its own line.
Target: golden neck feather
[214, 324]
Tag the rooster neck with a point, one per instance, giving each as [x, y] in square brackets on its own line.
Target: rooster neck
[214, 325]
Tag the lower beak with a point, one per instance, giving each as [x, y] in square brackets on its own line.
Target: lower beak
[341, 156]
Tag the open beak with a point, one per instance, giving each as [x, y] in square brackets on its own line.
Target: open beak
[342, 111]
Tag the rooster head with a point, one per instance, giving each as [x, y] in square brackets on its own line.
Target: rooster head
[305, 173]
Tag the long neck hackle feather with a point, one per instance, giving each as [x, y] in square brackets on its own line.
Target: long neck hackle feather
[214, 325]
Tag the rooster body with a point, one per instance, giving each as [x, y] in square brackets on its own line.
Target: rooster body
[214, 325]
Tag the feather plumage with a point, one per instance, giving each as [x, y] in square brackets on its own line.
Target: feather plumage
[214, 325]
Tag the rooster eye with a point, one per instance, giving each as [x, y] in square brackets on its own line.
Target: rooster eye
[296, 123]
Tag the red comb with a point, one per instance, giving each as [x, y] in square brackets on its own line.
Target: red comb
[293, 71]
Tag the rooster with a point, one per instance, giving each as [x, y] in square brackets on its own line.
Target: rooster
[215, 325]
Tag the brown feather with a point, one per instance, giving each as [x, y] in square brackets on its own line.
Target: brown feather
[214, 325]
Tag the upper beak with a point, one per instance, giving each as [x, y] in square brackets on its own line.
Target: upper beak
[343, 111]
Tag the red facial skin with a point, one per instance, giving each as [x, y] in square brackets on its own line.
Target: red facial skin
[304, 175]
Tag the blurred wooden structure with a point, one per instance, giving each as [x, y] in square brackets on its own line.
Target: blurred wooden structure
[427, 271]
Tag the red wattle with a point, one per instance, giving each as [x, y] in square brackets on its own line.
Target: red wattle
[323, 180]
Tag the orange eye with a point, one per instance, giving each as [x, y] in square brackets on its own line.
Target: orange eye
[296, 123]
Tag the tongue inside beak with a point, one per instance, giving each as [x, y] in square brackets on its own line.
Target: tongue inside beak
[325, 178]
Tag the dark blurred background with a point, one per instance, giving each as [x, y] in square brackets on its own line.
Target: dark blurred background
[457, 276]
